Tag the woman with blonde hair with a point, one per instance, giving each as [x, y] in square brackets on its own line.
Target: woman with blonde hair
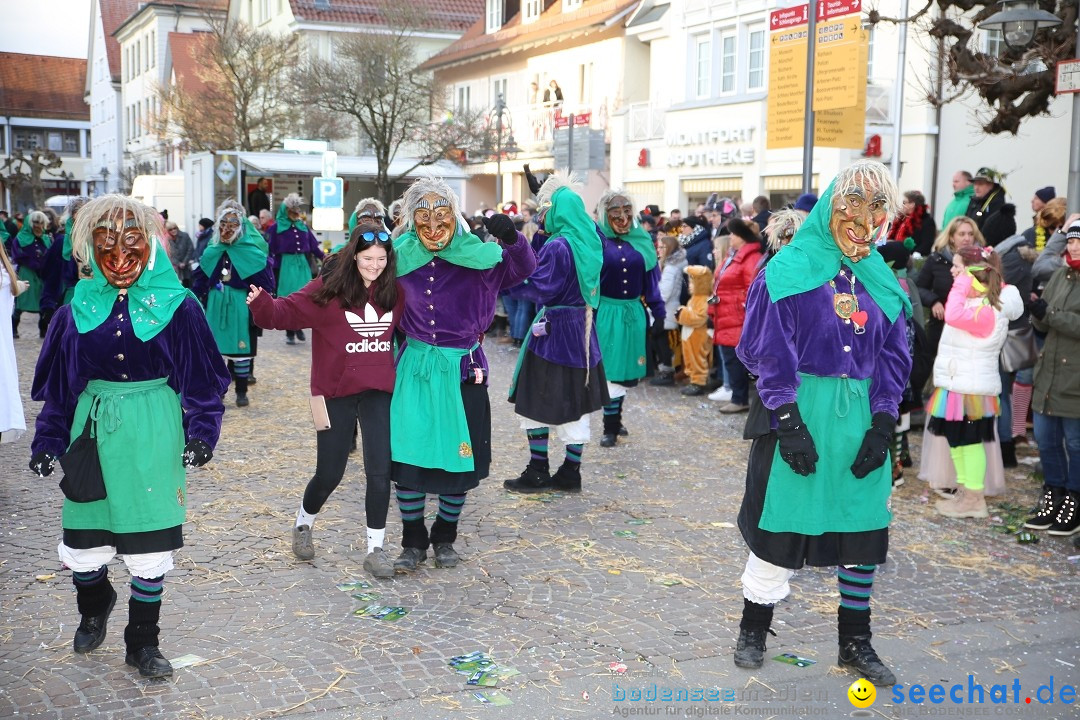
[935, 278]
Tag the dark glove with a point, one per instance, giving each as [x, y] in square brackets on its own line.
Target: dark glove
[534, 184]
[42, 463]
[1037, 308]
[658, 326]
[197, 453]
[502, 227]
[796, 446]
[875, 445]
[709, 323]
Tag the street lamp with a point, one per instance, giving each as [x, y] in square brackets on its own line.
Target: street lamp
[497, 114]
[1018, 25]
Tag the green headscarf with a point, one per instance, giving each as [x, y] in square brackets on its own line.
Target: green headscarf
[248, 253]
[26, 235]
[152, 300]
[641, 240]
[812, 259]
[284, 223]
[567, 217]
[466, 250]
[67, 238]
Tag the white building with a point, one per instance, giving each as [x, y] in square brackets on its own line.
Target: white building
[145, 65]
[103, 93]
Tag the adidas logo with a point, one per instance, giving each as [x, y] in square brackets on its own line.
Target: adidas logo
[371, 325]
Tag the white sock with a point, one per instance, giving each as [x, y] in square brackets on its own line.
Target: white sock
[375, 539]
[305, 518]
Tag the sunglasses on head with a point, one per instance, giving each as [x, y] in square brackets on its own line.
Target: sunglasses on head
[370, 237]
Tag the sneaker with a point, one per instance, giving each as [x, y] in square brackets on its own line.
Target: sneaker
[379, 564]
[302, 545]
[663, 378]
[693, 390]
[150, 662]
[898, 482]
[1067, 521]
[720, 394]
[750, 648]
[857, 653]
[91, 631]
[1049, 505]
[567, 478]
[301, 336]
[446, 556]
[732, 408]
[531, 480]
[409, 559]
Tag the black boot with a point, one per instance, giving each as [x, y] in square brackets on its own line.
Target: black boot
[141, 636]
[1067, 521]
[750, 647]
[612, 423]
[567, 478]
[414, 542]
[1049, 505]
[443, 535]
[95, 603]
[1008, 454]
[241, 392]
[856, 652]
[534, 479]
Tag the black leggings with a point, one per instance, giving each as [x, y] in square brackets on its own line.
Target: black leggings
[372, 409]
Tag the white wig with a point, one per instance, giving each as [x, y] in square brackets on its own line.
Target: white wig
[606, 198]
[37, 216]
[413, 198]
[293, 201]
[73, 206]
[100, 209]
[783, 224]
[554, 181]
[872, 174]
[373, 202]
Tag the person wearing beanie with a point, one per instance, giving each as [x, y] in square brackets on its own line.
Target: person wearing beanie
[202, 238]
[1041, 197]
[806, 202]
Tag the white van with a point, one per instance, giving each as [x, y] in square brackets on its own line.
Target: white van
[162, 192]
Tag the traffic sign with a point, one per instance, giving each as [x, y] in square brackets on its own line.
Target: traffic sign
[328, 192]
[226, 171]
[788, 17]
[329, 164]
[327, 219]
[1068, 76]
[787, 83]
[838, 77]
[846, 127]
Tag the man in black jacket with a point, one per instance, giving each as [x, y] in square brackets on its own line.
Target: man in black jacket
[258, 199]
[988, 202]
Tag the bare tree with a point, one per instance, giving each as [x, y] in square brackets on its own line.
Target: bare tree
[373, 81]
[1013, 86]
[240, 97]
[22, 171]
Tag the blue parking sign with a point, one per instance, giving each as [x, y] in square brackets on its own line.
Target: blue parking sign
[328, 192]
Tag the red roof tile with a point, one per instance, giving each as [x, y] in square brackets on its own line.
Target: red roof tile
[43, 86]
[514, 35]
[113, 15]
[454, 15]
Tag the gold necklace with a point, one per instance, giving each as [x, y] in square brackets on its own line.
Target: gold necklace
[846, 305]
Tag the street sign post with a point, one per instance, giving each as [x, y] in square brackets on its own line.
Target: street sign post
[1068, 77]
[787, 73]
[327, 200]
[837, 77]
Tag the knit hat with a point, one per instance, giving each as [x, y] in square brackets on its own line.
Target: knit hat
[1073, 231]
[1046, 194]
[806, 202]
[739, 228]
[205, 223]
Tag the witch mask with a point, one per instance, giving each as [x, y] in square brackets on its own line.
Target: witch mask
[121, 249]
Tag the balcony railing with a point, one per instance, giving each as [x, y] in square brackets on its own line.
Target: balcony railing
[534, 125]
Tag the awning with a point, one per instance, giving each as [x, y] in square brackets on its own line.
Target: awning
[646, 192]
[786, 182]
[350, 166]
[713, 184]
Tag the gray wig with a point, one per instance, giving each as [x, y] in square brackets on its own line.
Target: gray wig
[102, 208]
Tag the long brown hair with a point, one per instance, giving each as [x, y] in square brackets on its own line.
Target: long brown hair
[990, 275]
[343, 282]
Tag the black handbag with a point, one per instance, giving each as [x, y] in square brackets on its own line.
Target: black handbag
[82, 481]
[1019, 351]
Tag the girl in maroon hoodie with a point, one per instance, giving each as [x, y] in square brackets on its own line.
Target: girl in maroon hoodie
[352, 310]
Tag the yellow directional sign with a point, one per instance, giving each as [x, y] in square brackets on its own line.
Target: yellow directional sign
[840, 63]
[787, 88]
[845, 127]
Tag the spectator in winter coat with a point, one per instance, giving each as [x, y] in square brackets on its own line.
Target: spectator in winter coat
[1051, 258]
[915, 227]
[935, 278]
[673, 263]
[181, 252]
[728, 312]
[987, 204]
[962, 192]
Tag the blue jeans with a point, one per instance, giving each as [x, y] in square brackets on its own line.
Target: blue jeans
[1059, 450]
[519, 313]
[736, 371]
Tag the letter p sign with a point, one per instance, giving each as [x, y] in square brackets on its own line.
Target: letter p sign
[328, 193]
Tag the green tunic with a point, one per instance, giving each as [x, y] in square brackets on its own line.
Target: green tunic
[620, 328]
[29, 300]
[145, 482]
[227, 314]
[836, 412]
[294, 274]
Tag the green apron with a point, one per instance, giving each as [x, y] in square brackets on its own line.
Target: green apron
[140, 439]
[29, 300]
[294, 274]
[620, 328]
[837, 413]
[428, 428]
[227, 314]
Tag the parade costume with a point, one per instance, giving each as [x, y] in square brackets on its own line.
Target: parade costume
[132, 362]
[825, 335]
[352, 375]
[440, 417]
[694, 335]
[630, 274]
[31, 258]
[559, 379]
[293, 249]
[234, 259]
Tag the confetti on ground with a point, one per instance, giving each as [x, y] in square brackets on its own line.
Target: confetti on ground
[354, 585]
[495, 698]
[186, 661]
[382, 612]
[796, 660]
[366, 597]
[625, 533]
[469, 664]
[722, 524]
[639, 521]
[617, 667]
[667, 582]
[45, 578]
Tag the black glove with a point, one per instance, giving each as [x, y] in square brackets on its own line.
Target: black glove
[709, 322]
[42, 463]
[1037, 308]
[658, 326]
[875, 445]
[197, 453]
[796, 446]
[534, 184]
[502, 227]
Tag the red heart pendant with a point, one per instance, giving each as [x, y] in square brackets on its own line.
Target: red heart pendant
[859, 318]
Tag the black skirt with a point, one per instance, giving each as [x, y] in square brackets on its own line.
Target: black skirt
[793, 550]
[474, 398]
[963, 432]
[556, 394]
[136, 543]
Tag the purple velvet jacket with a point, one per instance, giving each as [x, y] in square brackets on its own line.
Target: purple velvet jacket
[184, 351]
[452, 306]
[555, 286]
[623, 276]
[291, 241]
[803, 334]
[201, 283]
[34, 256]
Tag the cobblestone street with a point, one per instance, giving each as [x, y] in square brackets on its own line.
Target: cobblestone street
[553, 585]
